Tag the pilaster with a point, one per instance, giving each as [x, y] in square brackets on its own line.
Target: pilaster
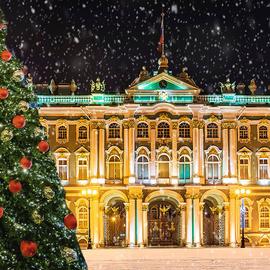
[153, 152]
[131, 151]
[94, 152]
[126, 152]
[174, 177]
[101, 153]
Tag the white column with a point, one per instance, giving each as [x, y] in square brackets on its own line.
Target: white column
[237, 206]
[127, 223]
[195, 140]
[232, 219]
[145, 223]
[183, 223]
[126, 154]
[189, 222]
[197, 212]
[201, 153]
[233, 154]
[140, 222]
[131, 151]
[95, 222]
[227, 223]
[153, 153]
[132, 222]
[201, 221]
[101, 224]
[94, 153]
[174, 175]
[101, 162]
[225, 148]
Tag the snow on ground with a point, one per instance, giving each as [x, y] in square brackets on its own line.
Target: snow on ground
[178, 259]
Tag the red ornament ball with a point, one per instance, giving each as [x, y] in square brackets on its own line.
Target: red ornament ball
[70, 221]
[19, 121]
[1, 212]
[25, 163]
[43, 146]
[6, 55]
[28, 248]
[3, 93]
[14, 186]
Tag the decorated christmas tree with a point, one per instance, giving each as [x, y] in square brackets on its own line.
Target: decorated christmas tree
[37, 230]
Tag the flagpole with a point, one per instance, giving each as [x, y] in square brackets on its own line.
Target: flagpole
[162, 26]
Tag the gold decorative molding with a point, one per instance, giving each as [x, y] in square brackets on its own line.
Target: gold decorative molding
[164, 116]
[198, 124]
[142, 118]
[184, 119]
[125, 124]
[153, 124]
[175, 125]
[94, 125]
[114, 118]
[131, 123]
[228, 125]
[212, 118]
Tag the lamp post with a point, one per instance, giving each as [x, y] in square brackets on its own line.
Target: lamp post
[242, 192]
[88, 193]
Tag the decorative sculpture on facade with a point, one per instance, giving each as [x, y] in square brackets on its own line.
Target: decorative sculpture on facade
[227, 87]
[98, 86]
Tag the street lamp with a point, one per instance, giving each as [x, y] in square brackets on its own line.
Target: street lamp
[242, 192]
[89, 193]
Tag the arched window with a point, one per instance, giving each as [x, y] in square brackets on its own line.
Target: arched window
[263, 168]
[213, 169]
[62, 168]
[163, 130]
[212, 131]
[263, 132]
[114, 131]
[82, 218]
[62, 133]
[164, 166]
[243, 132]
[114, 168]
[142, 130]
[264, 217]
[82, 169]
[184, 169]
[184, 130]
[142, 168]
[244, 168]
[82, 133]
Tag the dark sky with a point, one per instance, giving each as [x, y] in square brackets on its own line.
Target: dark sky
[113, 39]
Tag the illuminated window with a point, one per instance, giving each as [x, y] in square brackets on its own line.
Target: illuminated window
[243, 132]
[82, 133]
[184, 168]
[163, 130]
[142, 168]
[82, 169]
[164, 166]
[247, 225]
[114, 168]
[62, 133]
[263, 168]
[142, 130]
[213, 169]
[263, 132]
[244, 168]
[62, 167]
[114, 131]
[212, 131]
[184, 130]
[82, 218]
[264, 217]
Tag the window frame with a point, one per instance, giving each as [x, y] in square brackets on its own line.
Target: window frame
[145, 128]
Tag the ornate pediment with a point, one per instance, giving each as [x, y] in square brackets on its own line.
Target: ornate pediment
[163, 85]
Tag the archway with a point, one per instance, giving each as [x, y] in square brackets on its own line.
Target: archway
[163, 223]
[115, 223]
[213, 221]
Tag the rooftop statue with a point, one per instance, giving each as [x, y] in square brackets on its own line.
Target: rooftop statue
[98, 86]
[227, 87]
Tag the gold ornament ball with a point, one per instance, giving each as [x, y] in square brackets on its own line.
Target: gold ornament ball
[18, 76]
[37, 218]
[24, 106]
[49, 193]
[6, 135]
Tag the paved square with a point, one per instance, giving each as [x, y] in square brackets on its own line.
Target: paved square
[178, 258]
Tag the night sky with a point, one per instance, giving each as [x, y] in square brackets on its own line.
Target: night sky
[80, 40]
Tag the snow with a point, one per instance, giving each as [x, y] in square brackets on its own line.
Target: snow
[178, 259]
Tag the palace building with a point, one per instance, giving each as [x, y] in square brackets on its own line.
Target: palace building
[162, 164]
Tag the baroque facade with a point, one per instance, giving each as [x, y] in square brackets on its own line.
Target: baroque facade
[162, 164]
